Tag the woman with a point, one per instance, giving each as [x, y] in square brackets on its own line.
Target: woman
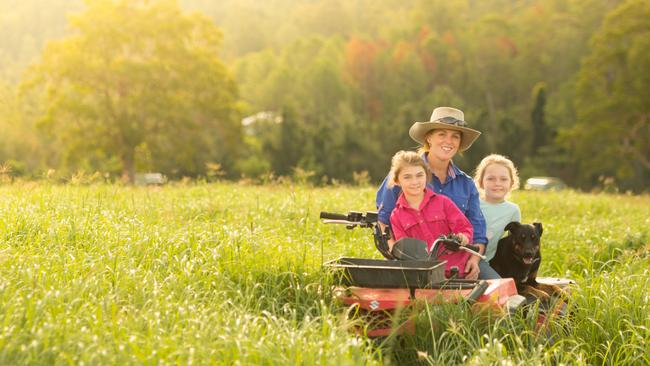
[444, 135]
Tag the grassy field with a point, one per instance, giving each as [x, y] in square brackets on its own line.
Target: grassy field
[231, 274]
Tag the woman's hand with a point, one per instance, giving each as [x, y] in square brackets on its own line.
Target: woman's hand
[471, 268]
[391, 240]
[391, 244]
[464, 240]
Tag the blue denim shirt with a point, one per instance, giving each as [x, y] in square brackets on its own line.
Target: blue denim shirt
[458, 186]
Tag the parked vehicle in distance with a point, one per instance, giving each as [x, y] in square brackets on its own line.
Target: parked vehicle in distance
[544, 184]
[150, 179]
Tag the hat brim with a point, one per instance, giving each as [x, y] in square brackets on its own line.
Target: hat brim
[419, 130]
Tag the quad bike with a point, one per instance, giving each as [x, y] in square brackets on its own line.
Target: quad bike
[377, 289]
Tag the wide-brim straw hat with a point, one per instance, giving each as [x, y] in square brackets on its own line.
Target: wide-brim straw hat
[449, 119]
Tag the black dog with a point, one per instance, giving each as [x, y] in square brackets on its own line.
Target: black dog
[518, 256]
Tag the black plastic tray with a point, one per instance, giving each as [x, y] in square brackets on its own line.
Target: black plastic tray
[388, 273]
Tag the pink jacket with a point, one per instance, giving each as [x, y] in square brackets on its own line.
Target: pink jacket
[437, 215]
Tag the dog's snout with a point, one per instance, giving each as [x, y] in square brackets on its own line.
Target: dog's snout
[529, 252]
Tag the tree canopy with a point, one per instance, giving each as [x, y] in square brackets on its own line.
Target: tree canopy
[327, 87]
[138, 76]
[611, 136]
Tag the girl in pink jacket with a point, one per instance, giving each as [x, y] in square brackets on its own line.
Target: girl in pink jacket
[422, 214]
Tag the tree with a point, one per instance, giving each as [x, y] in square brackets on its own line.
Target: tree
[285, 142]
[538, 119]
[140, 74]
[612, 134]
[20, 141]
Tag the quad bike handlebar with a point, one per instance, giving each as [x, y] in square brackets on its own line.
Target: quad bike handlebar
[453, 243]
[351, 220]
[358, 219]
[369, 219]
[332, 216]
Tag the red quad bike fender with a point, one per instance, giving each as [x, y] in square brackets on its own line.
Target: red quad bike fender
[500, 297]
[497, 293]
[377, 304]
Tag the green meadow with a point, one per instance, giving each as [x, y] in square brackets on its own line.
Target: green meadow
[227, 274]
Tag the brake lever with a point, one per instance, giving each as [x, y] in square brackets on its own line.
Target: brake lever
[473, 252]
[452, 242]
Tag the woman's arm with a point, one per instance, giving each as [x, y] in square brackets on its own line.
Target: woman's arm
[476, 218]
[459, 224]
[385, 199]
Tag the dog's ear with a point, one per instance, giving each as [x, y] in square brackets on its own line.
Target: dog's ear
[512, 226]
[538, 228]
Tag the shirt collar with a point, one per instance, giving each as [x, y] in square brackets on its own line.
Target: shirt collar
[452, 169]
[402, 202]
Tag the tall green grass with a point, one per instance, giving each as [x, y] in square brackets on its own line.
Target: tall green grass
[231, 274]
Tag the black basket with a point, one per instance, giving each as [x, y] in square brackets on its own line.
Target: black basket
[388, 273]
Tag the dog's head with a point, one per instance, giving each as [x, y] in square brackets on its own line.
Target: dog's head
[525, 240]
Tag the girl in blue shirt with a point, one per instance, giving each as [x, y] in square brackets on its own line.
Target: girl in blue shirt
[496, 176]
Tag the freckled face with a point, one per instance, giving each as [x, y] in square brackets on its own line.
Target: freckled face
[412, 179]
[496, 183]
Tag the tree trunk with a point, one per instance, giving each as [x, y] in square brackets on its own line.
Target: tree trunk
[492, 127]
[128, 166]
[538, 119]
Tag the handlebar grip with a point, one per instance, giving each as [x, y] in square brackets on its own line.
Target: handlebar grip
[332, 216]
[475, 248]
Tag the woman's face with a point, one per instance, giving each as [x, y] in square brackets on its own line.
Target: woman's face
[412, 179]
[443, 144]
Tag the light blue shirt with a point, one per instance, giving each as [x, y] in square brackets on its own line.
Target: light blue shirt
[497, 216]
